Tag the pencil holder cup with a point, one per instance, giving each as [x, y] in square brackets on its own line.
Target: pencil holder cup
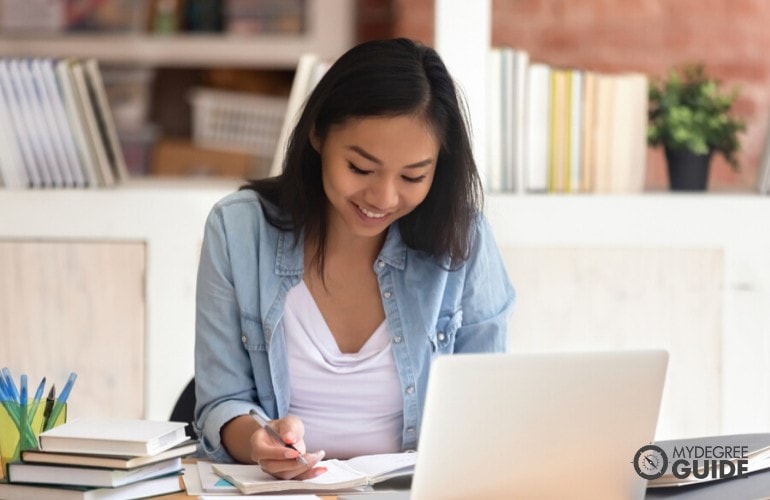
[19, 429]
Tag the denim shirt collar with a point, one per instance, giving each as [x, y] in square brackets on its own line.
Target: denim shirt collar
[290, 257]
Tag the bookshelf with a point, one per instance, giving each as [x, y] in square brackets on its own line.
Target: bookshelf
[150, 77]
[688, 272]
[330, 31]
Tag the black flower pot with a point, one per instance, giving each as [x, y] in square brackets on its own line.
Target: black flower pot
[687, 171]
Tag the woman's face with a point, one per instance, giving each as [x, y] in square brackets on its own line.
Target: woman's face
[376, 170]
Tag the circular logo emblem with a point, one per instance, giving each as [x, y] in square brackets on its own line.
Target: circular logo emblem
[650, 462]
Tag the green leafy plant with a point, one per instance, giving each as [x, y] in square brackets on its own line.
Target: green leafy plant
[689, 111]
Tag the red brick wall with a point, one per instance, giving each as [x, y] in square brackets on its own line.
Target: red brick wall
[732, 38]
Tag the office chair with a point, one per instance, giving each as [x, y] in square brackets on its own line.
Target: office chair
[184, 409]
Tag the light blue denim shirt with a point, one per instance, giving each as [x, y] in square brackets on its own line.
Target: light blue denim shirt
[246, 269]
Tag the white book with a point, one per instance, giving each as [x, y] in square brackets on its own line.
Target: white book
[40, 134]
[107, 461]
[518, 123]
[309, 71]
[506, 121]
[34, 173]
[52, 137]
[91, 121]
[602, 133]
[113, 436]
[105, 120]
[628, 133]
[19, 472]
[78, 125]
[638, 124]
[576, 132]
[537, 127]
[12, 169]
[44, 71]
[142, 489]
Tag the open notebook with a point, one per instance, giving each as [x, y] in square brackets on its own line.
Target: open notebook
[342, 475]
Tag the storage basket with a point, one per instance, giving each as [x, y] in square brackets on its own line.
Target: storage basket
[237, 121]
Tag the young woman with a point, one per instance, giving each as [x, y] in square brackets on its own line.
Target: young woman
[324, 293]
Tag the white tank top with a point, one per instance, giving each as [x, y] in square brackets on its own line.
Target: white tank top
[350, 403]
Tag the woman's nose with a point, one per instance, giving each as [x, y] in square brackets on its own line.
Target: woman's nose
[382, 195]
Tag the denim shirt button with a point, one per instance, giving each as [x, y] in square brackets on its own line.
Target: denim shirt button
[397, 339]
[410, 430]
[243, 338]
[380, 264]
[387, 295]
[410, 389]
[441, 336]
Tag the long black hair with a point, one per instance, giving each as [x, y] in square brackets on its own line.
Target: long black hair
[383, 78]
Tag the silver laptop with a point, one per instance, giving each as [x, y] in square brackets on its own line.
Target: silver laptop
[536, 426]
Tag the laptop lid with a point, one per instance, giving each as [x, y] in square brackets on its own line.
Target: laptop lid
[545, 425]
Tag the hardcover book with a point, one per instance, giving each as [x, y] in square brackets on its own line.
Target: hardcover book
[113, 436]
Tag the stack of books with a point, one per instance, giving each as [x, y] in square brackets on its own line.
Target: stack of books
[102, 458]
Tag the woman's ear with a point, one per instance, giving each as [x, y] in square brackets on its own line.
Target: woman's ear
[315, 141]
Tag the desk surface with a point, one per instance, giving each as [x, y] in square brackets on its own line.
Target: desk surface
[756, 485]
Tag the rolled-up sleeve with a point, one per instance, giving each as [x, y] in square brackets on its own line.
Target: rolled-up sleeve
[488, 296]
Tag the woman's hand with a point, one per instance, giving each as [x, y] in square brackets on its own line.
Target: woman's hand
[280, 461]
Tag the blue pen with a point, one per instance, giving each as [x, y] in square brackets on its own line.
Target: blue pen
[23, 392]
[26, 434]
[23, 404]
[11, 385]
[65, 393]
[4, 396]
[39, 392]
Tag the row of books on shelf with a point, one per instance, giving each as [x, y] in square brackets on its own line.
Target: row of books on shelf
[562, 130]
[101, 458]
[56, 126]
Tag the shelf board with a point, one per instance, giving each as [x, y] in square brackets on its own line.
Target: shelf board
[274, 51]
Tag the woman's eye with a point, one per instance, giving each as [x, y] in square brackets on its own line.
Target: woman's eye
[413, 179]
[357, 170]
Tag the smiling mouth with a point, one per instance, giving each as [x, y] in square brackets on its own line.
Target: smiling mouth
[370, 214]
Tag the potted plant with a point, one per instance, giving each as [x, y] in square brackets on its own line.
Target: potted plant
[689, 116]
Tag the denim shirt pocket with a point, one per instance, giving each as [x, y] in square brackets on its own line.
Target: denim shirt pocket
[442, 339]
[253, 339]
[252, 334]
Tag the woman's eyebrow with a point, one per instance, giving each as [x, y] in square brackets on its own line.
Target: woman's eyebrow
[362, 152]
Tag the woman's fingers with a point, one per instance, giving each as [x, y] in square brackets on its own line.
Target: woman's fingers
[292, 469]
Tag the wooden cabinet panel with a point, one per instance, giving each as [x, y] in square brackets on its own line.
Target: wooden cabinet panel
[76, 306]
